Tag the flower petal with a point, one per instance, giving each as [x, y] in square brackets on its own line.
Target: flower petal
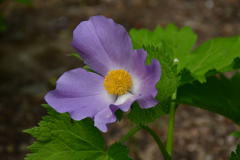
[80, 93]
[151, 77]
[137, 64]
[145, 78]
[103, 118]
[124, 102]
[147, 102]
[102, 43]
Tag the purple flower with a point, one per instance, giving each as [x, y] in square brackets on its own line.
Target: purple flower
[121, 75]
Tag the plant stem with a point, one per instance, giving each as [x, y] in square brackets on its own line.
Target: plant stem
[129, 134]
[160, 144]
[171, 121]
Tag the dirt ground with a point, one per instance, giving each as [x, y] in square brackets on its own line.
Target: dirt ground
[34, 52]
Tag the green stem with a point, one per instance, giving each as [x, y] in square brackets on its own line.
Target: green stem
[129, 134]
[171, 121]
[158, 141]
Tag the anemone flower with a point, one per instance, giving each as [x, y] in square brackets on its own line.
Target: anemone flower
[119, 75]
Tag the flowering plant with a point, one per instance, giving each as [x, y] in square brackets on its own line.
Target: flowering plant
[147, 75]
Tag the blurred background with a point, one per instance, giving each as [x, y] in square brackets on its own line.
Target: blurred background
[35, 38]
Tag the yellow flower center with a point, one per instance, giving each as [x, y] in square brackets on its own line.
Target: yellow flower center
[118, 82]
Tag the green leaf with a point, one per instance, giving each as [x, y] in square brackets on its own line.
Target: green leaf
[144, 116]
[86, 67]
[119, 114]
[219, 95]
[118, 152]
[219, 54]
[235, 155]
[169, 45]
[165, 45]
[76, 55]
[180, 64]
[169, 80]
[180, 40]
[236, 63]
[166, 87]
[235, 134]
[59, 137]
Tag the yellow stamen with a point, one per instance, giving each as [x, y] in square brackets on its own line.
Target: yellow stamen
[118, 82]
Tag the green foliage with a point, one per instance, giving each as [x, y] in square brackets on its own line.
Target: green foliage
[76, 55]
[181, 64]
[236, 134]
[179, 41]
[168, 46]
[3, 26]
[116, 151]
[217, 55]
[169, 80]
[219, 95]
[58, 137]
[235, 155]
[184, 69]
[143, 116]
[119, 114]
[236, 63]
[24, 1]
